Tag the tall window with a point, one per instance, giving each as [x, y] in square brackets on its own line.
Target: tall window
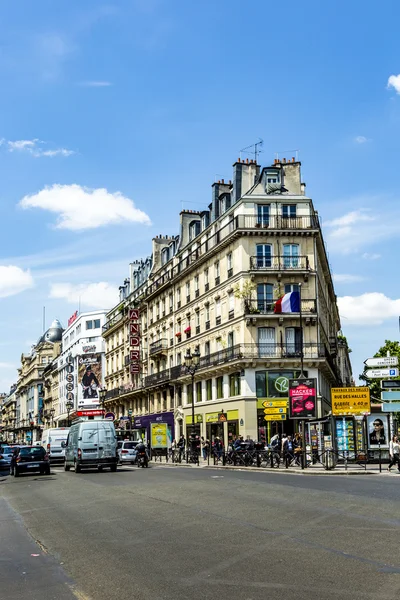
[218, 311]
[216, 271]
[229, 264]
[198, 392]
[194, 229]
[206, 281]
[178, 296]
[266, 341]
[188, 291]
[209, 389]
[265, 297]
[263, 215]
[264, 254]
[164, 256]
[207, 313]
[179, 359]
[206, 348]
[289, 211]
[231, 304]
[293, 341]
[196, 286]
[171, 303]
[220, 386]
[291, 287]
[197, 320]
[234, 384]
[290, 256]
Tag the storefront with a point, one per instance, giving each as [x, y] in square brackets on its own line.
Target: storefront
[143, 424]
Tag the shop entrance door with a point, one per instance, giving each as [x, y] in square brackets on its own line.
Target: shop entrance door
[233, 431]
[215, 430]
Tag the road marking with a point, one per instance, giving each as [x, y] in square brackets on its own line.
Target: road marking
[79, 594]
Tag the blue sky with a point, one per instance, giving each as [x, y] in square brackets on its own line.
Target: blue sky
[115, 115]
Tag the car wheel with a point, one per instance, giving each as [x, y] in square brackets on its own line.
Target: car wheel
[66, 467]
[77, 467]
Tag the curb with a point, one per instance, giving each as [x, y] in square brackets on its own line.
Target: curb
[281, 471]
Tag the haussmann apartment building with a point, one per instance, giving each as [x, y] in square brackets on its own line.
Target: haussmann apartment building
[213, 287]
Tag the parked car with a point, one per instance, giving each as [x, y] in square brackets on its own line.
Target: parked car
[5, 457]
[91, 444]
[30, 459]
[126, 451]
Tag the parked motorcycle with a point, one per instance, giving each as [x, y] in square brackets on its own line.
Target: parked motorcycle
[142, 459]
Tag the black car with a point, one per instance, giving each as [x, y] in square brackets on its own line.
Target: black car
[30, 459]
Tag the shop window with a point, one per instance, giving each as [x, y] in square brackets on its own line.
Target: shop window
[220, 387]
[261, 384]
[198, 392]
[209, 389]
[234, 384]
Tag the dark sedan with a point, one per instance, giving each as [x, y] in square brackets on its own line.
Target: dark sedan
[30, 459]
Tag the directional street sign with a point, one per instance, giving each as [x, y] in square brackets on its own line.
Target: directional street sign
[391, 407]
[384, 361]
[275, 411]
[350, 400]
[275, 417]
[275, 404]
[378, 373]
[391, 396]
[390, 384]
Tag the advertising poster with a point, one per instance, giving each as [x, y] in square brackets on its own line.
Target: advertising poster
[345, 437]
[302, 398]
[378, 431]
[159, 435]
[89, 380]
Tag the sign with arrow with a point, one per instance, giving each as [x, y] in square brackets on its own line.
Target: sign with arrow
[382, 361]
[378, 373]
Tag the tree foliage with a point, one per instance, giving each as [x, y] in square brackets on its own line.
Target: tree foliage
[391, 349]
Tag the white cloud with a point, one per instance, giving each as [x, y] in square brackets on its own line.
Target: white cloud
[368, 309]
[360, 228]
[35, 148]
[347, 278]
[82, 208]
[95, 83]
[93, 295]
[371, 256]
[14, 280]
[360, 139]
[394, 82]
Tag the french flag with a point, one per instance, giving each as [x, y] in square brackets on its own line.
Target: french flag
[289, 303]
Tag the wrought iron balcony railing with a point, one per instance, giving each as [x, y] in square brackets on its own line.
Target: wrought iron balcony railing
[279, 263]
[267, 307]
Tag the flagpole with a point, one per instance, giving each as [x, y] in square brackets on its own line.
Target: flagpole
[301, 338]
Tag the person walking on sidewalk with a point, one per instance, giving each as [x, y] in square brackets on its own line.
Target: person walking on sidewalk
[394, 453]
[206, 447]
[288, 448]
[181, 446]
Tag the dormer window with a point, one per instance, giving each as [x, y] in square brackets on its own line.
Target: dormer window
[273, 176]
[204, 221]
[194, 229]
[164, 256]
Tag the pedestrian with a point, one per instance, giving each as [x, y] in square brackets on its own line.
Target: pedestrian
[288, 448]
[298, 446]
[218, 448]
[394, 453]
[182, 445]
[206, 447]
[275, 447]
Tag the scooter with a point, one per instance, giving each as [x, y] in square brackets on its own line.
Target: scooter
[142, 459]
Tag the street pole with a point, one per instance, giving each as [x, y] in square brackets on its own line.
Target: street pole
[193, 372]
[302, 376]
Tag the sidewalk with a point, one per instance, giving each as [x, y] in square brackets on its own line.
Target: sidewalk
[317, 469]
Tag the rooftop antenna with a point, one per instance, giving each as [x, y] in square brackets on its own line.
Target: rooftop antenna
[253, 149]
[296, 153]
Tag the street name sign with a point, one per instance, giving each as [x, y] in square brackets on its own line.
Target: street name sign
[378, 373]
[275, 404]
[281, 417]
[382, 361]
[350, 400]
[390, 384]
[274, 411]
[391, 396]
[391, 407]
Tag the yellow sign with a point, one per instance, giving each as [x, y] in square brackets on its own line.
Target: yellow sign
[275, 404]
[281, 417]
[159, 435]
[350, 400]
[212, 417]
[274, 411]
[197, 419]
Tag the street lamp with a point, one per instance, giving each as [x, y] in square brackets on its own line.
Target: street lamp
[102, 397]
[69, 406]
[192, 361]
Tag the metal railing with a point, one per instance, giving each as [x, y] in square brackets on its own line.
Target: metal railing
[279, 263]
[158, 346]
[266, 307]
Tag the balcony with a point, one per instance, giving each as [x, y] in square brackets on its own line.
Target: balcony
[112, 322]
[158, 347]
[156, 378]
[279, 263]
[266, 307]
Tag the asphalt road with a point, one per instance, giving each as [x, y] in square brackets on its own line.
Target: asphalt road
[178, 533]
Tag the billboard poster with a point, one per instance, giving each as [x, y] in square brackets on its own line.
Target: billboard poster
[378, 431]
[302, 398]
[89, 380]
[345, 437]
[159, 435]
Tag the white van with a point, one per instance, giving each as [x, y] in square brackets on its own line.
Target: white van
[52, 442]
[91, 444]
